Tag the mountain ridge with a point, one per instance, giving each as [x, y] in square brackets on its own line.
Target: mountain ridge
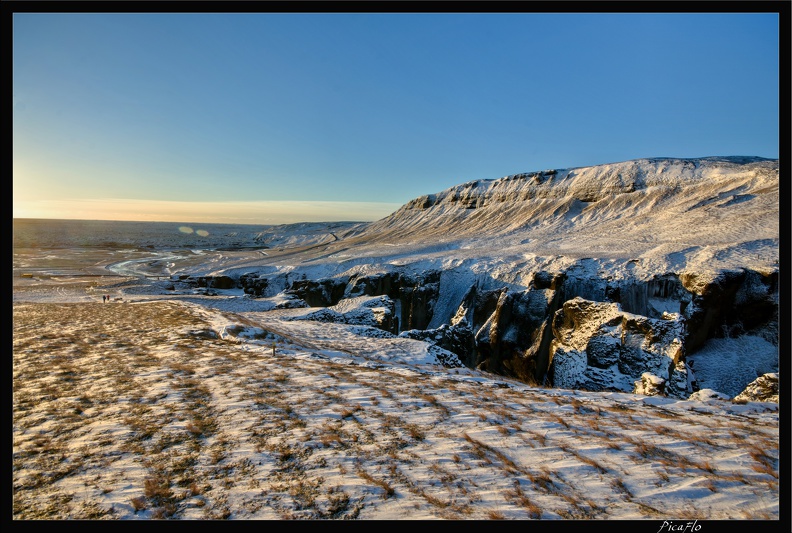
[646, 209]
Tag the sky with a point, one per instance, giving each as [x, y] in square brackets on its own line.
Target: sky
[270, 118]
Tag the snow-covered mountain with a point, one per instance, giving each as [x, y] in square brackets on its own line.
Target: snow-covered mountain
[709, 213]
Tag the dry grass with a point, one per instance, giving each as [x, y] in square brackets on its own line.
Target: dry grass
[765, 463]
[517, 495]
[387, 490]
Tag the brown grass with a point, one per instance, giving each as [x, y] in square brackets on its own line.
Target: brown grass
[517, 494]
[387, 490]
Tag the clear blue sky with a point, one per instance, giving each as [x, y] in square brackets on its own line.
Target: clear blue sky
[265, 114]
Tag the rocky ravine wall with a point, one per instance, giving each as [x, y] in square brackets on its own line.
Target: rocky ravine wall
[565, 330]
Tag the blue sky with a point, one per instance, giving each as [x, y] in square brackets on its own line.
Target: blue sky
[269, 118]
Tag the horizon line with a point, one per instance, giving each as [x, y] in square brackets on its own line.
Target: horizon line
[265, 212]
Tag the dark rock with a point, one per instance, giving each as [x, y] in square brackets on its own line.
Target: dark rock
[252, 284]
[214, 282]
[546, 280]
[386, 284]
[320, 293]
[733, 303]
[515, 339]
[221, 282]
[416, 294]
[651, 298]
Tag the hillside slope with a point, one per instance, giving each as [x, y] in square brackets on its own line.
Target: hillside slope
[673, 213]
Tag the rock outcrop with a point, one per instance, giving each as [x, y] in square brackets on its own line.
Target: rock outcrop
[319, 293]
[762, 389]
[457, 339]
[597, 346]
[733, 303]
[253, 284]
[414, 294]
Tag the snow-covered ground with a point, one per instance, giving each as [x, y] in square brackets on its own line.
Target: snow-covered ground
[169, 408]
[170, 403]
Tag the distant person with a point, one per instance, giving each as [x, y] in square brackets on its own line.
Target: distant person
[104, 298]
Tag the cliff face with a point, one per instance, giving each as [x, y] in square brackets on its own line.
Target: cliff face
[604, 278]
[597, 346]
[594, 336]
